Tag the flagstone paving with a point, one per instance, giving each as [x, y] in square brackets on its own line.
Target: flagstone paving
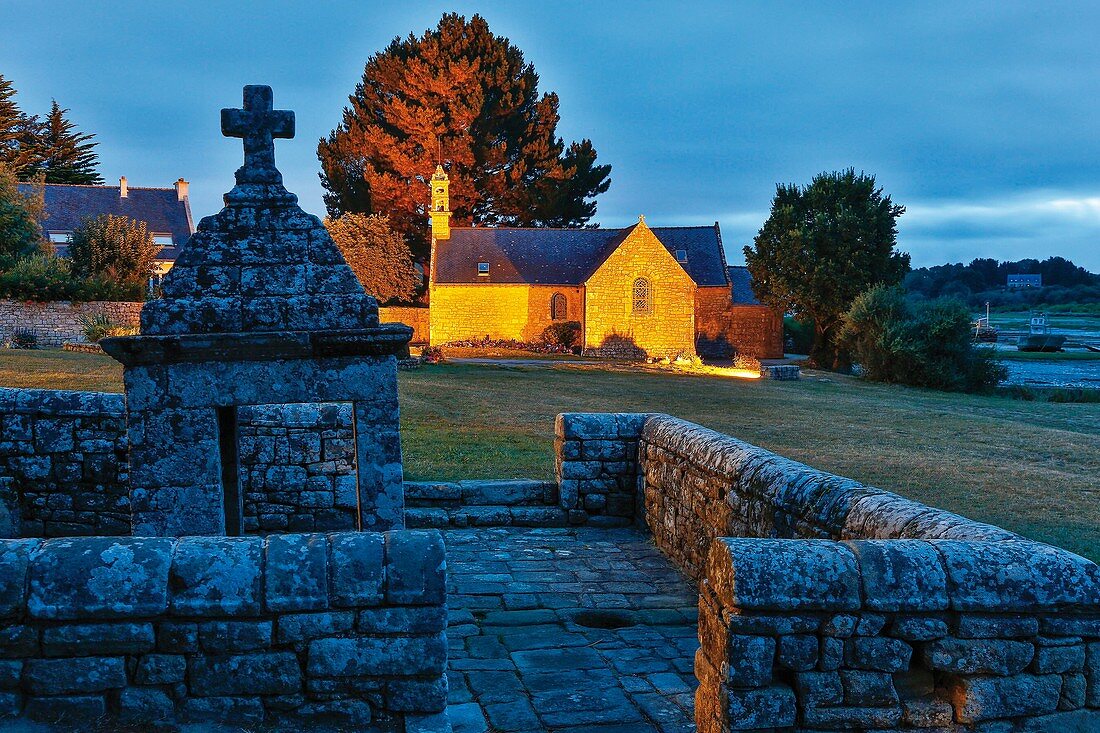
[520, 659]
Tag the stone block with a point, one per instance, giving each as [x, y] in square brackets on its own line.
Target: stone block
[74, 676]
[11, 671]
[817, 689]
[65, 710]
[916, 628]
[177, 636]
[144, 706]
[99, 577]
[403, 620]
[243, 711]
[978, 656]
[88, 639]
[749, 661]
[296, 574]
[848, 717]
[868, 689]
[224, 637]
[415, 567]
[798, 652]
[996, 626]
[832, 654]
[586, 426]
[358, 577]
[1074, 689]
[784, 574]
[15, 558]
[987, 698]
[267, 673]
[305, 626]
[1016, 576]
[215, 576]
[335, 714]
[1059, 659]
[161, 669]
[927, 713]
[373, 656]
[769, 707]
[877, 654]
[418, 696]
[901, 575]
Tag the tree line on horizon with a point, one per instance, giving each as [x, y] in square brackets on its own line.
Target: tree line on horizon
[48, 148]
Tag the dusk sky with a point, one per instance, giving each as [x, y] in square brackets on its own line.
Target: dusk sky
[983, 119]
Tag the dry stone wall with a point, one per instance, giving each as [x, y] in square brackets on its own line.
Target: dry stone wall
[63, 464]
[596, 466]
[829, 605]
[416, 318]
[57, 322]
[344, 630]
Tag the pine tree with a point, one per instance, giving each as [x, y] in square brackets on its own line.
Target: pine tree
[61, 152]
[464, 95]
[10, 119]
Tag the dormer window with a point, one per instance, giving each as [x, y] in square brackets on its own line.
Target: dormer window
[681, 256]
[163, 240]
[483, 269]
[61, 237]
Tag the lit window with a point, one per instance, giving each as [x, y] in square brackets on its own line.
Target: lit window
[558, 311]
[643, 296]
[164, 240]
[681, 255]
[483, 269]
[61, 237]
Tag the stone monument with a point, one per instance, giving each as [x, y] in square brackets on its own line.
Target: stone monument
[260, 308]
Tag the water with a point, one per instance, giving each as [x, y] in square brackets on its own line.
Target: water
[1040, 373]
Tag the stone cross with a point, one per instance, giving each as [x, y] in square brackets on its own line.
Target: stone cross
[258, 124]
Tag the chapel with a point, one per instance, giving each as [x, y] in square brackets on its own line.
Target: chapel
[638, 292]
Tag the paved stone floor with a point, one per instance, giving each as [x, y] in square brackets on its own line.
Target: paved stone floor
[520, 659]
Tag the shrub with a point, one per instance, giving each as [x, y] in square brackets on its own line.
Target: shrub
[746, 361]
[924, 343]
[46, 277]
[432, 355]
[113, 248]
[798, 336]
[96, 326]
[562, 334]
[20, 233]
[24, 338]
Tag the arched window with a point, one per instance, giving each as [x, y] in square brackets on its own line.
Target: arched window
[643, 296]
[558, 311]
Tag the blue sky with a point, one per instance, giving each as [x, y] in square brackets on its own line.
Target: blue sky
[981, 118]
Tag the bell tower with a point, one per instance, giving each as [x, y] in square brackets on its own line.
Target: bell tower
[441, 207]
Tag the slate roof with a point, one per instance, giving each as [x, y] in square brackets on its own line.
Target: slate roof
[565, 256]
[741, 286]
[160, 208]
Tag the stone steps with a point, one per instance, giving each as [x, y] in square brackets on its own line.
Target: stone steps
[506, 493]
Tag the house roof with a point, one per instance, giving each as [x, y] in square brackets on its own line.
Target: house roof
[565, 256]
[68, 204]
[741, 286]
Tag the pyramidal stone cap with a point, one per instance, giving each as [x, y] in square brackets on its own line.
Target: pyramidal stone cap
[261, 265]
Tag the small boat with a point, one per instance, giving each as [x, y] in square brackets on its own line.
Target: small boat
[983, 331]
[1040, 338]
[1093, 347]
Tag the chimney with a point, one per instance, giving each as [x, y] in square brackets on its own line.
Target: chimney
[122, 190]
[182, 187]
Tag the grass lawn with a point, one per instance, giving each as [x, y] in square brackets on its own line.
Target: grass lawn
[1032, 467]
[1016, 355]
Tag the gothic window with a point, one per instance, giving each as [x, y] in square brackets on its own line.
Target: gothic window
[558, 310]
[643, 296]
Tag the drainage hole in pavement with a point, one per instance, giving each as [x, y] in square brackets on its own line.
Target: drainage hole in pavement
[603, 620]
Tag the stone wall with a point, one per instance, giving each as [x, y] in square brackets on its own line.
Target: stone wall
[596, 466]
[57, 322]
[723, 329]
[344, 630]
[297, 467]
[904, 635]
[497, 310]
[63, 464]
[612, 328]
[830, 605]
[416, 318]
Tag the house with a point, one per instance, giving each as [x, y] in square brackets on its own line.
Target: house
[635, 292]
[1024, 281]
[166, 212]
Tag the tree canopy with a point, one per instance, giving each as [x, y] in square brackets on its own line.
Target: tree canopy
[822, 245]
[377, 255]
[462, 95]
[20, 214]
[52, 147]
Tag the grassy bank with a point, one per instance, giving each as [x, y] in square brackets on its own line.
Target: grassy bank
[1033, 467]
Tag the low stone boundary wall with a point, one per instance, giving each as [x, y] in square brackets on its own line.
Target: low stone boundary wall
[483, 503]
[63, 464]
[897, 635]
[57, 322]
[344, 629]
[416, 318]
